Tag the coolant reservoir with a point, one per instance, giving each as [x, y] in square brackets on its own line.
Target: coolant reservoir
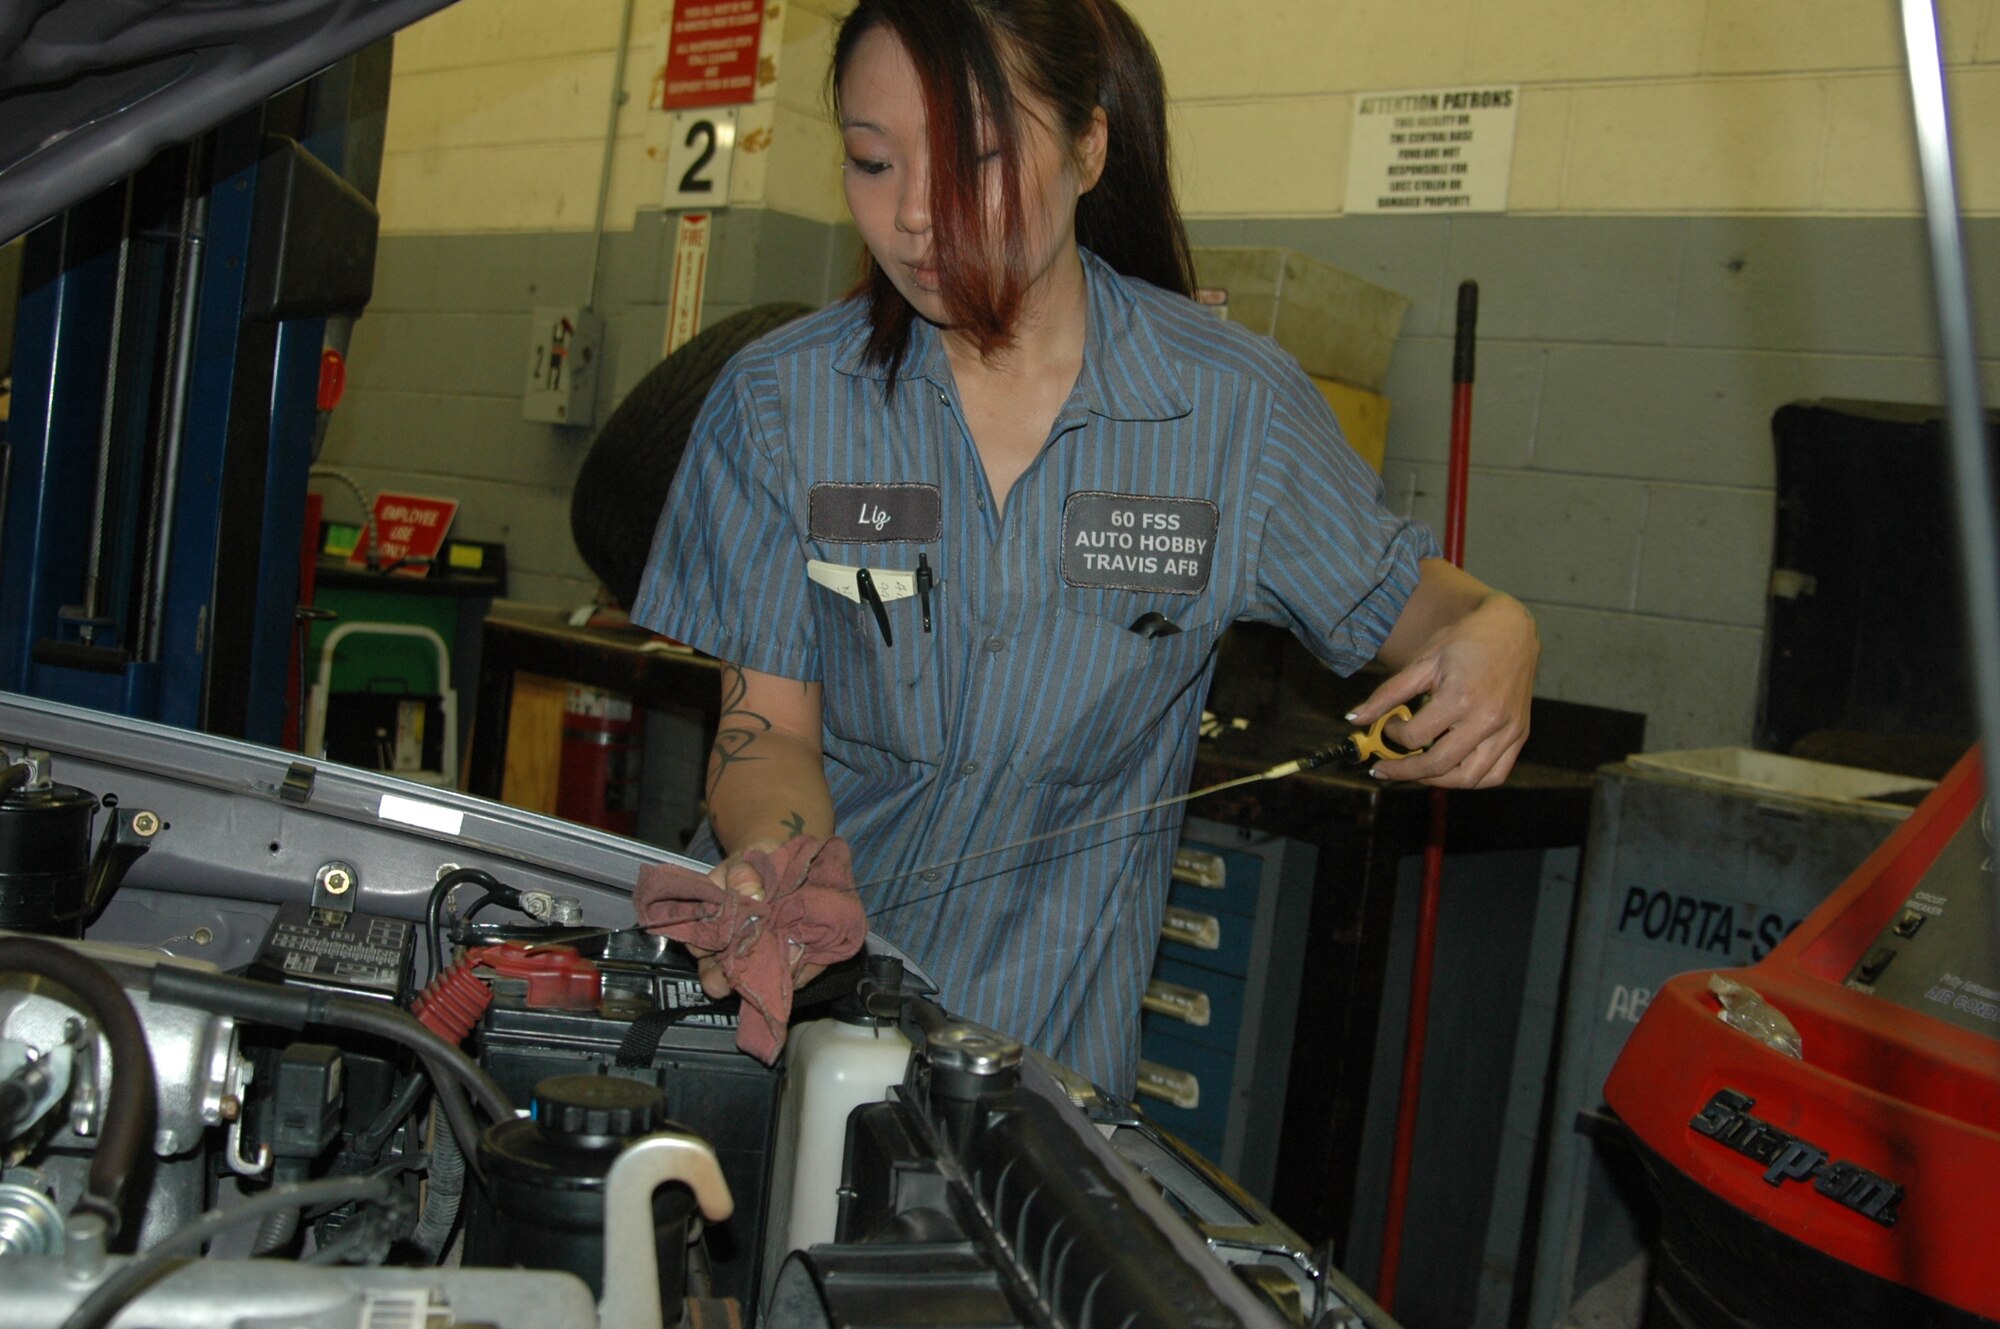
[837, 1064]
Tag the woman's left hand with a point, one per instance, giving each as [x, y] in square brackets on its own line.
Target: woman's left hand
[1479, 672]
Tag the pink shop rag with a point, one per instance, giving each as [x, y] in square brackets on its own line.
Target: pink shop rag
[810, 914]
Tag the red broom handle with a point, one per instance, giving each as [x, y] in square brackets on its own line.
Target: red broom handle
[1433, 878]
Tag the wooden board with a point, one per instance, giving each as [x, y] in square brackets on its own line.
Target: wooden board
[534, 743]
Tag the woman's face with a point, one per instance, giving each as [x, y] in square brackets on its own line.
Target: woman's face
[887, 174]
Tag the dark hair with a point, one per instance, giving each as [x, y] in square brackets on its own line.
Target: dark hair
[1076, 55]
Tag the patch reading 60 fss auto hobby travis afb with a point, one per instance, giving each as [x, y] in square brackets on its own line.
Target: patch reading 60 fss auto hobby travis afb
[1138, 542]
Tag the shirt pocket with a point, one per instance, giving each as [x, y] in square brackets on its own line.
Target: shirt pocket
[1109, 687]
[878, 695]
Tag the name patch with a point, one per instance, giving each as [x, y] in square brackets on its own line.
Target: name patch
[875, 514]
[1137, 542]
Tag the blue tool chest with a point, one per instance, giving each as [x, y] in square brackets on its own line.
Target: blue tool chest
[1215, 1042]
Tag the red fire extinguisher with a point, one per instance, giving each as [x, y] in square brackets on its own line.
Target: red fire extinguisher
[602, 750]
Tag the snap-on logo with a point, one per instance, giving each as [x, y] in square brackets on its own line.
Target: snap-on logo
[1727, 1121]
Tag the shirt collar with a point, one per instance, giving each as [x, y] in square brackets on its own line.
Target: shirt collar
[1125, 375]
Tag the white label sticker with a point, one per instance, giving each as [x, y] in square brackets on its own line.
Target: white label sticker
[424, 816]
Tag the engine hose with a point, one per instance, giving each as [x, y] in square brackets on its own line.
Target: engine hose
[448, 1065]
[445, 1192]
[369, 1144]
[130, 1110]
[456, 1110]
[275, 1233]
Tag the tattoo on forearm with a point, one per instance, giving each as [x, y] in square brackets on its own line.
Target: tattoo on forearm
[795, 824]
[736, 730]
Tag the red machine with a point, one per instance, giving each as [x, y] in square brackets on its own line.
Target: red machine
[1856, 1185]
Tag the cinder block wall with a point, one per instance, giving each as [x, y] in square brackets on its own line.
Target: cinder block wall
[1622, 466]
[1713, 211]
[497, 121]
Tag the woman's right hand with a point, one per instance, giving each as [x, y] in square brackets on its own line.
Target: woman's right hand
[736, 874]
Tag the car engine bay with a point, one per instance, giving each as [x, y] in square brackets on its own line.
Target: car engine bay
[288, 1014]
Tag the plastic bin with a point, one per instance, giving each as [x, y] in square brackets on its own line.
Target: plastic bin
[1696, 860]
[1338, 325]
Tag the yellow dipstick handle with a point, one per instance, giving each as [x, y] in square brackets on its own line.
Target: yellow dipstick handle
[1367, 744]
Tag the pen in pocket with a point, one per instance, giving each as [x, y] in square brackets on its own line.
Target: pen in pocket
[924, 588]
[873, 600]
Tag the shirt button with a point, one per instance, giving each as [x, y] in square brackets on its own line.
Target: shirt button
[932, 874]
[994, 643]
[970, 768]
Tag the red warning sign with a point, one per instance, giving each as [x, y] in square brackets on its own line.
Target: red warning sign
[711, 54]
[409, 531]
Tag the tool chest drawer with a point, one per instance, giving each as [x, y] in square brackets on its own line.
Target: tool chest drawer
[1189, 1002]
[1222, 942]
[1185, 1087]
[1215, 1037]
[1213, 879]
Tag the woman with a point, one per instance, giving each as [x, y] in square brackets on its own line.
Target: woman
[967, 539]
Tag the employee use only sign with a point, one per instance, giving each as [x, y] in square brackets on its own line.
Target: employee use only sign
[1432, 151]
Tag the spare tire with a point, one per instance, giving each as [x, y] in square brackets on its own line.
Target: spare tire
[625, 478]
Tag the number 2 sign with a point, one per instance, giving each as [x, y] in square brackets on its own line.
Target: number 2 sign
[700, 147]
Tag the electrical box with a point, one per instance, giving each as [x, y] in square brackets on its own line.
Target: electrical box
[563, 356]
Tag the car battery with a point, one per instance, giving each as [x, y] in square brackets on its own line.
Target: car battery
[655, 1025]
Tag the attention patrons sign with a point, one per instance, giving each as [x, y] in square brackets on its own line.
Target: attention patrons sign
[1433, 150]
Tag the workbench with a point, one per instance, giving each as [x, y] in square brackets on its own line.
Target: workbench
[532, 641]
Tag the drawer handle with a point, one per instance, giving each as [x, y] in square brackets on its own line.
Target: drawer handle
[1179, 1088]
[1188, 1005]
[1196, 867]
[1201, 931]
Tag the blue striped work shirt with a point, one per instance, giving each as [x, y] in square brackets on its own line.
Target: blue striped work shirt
[1031, 705]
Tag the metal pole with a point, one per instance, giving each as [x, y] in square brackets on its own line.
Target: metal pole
[186, 308]
[610, 148]
[1972, 461]
[107, 434]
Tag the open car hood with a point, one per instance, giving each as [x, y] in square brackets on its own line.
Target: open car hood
[91, 89]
